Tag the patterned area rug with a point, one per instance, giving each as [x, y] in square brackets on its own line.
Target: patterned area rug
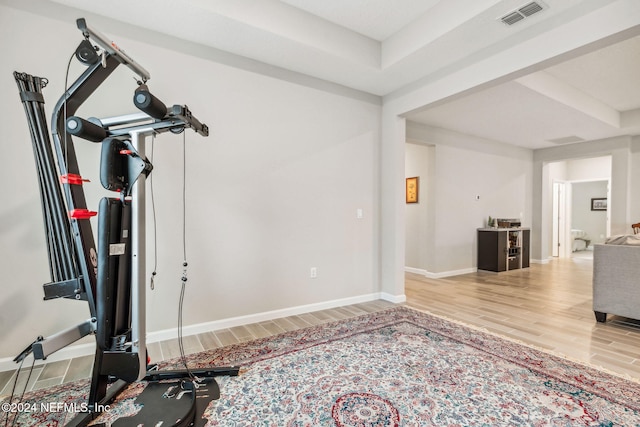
[398, 367]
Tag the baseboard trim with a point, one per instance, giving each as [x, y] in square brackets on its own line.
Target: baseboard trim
[441, 275]
[451, 273]
[415, 270]
[539, 261]
[231, 322]
[396, 299]
[79, 350]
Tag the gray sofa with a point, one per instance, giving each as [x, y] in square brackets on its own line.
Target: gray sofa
[616, 278]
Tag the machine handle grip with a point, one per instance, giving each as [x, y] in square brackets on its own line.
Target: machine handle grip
[84, 129]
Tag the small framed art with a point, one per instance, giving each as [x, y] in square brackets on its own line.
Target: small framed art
[599, 204]
[412, 189]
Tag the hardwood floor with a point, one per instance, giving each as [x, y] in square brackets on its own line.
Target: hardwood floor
[547, 306]
[60, 372]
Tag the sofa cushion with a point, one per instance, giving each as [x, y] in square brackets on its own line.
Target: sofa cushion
[615, 280]
[624, 239]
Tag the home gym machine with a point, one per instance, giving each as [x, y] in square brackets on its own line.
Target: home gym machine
[110, 277]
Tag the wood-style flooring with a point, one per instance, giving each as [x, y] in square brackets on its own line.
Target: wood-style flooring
[546, 305]
[60, 372]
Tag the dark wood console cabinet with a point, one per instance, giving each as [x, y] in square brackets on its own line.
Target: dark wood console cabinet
[503, 249]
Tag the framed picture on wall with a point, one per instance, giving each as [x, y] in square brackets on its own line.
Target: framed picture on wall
[599, 204]
[412, 189]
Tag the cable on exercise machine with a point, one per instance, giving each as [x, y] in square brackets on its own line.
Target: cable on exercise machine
[154, 273]
[185, 264]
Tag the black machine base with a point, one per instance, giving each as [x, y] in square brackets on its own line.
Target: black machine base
[168, 399]
[175, 403]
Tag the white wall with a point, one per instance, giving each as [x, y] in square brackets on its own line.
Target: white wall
[634, 178]
[609, 22]
[272, 192]
[590, 169]
[472, 179]
[419, 222]
[594, 223]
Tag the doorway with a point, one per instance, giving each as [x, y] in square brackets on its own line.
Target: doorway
[559, 214]
[576, 227]
[590, 223]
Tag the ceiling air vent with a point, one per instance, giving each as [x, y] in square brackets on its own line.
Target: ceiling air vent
[512, 18]
[530, 9]
[522, 12]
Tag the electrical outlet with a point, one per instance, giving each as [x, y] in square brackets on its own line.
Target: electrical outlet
[313, 273]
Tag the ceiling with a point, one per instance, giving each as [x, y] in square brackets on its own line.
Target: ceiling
[384, 46]
[592, 97]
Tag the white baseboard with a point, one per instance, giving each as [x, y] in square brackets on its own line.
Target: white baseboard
[451, 273]
[415, 270]
[539, 261]
[78, 350]
[231, 322]
[440, 275]
[396, 299]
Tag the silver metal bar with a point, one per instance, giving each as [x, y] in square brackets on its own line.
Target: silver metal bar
[113, 49]
[146, 128]
[138, 274]
[48, 346]
[124, 119]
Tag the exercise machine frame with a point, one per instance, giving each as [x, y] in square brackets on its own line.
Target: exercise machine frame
[78, 268]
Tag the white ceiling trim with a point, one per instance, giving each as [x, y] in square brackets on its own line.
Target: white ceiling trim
[278, 19]
[424, 30]
[547, 85]
[442, 33]
[631, 119]
[420, 54]
[376, 19]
